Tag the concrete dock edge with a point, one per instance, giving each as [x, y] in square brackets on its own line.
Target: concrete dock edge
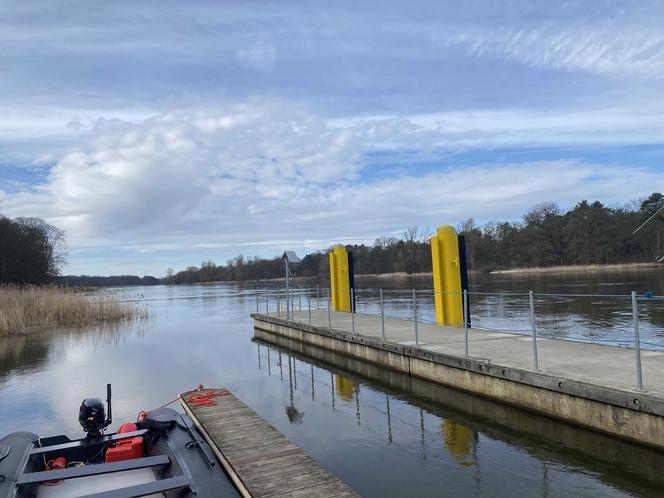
[630, 415]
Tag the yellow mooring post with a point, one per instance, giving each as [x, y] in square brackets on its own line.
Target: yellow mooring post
[447, 276]
[333, 279]
[339, 279]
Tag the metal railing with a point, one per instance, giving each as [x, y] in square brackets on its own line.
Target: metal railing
[416, 305]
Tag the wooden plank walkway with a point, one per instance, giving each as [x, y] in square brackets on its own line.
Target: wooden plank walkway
[262, 459]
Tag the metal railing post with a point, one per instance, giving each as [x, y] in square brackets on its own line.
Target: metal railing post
[257, 301]
[465, 322]
[267, 301]
[382, 314]
[317, 298]
[417, 339]
[278, 304]
[309, 304]
[352, 311]
[534, 329]
[287, 300]
[329, 310]
[299, 298]
[637, 342]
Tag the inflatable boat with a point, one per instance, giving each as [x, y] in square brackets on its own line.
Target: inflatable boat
[162, 454]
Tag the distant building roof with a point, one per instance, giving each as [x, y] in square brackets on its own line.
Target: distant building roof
[291, 257]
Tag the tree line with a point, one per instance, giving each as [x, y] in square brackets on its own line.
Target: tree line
[110, 281]
[32, 252]
[589, 233]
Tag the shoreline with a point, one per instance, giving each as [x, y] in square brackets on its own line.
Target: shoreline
[27, 309]
[580, 268]
[512, 271]
[397, 274]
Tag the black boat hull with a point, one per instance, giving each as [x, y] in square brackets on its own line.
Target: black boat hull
[16, 448]
[182, 463]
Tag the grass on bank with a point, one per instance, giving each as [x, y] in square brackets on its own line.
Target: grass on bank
[23, 309]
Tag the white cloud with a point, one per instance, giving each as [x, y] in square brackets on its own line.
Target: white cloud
[486, 128]
[607, 47]
[180, 187]
[172, 172]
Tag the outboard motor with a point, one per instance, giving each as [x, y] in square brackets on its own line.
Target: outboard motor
[92, 416]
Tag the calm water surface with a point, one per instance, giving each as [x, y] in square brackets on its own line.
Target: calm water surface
[383, 433]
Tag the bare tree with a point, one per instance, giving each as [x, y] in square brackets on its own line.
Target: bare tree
[31, 251]
[412, 236]
[467, 225]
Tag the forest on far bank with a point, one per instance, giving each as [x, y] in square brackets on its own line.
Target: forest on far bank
[32, 252]
[546, 236]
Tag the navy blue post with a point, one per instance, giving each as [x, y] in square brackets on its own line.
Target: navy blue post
[463, 269]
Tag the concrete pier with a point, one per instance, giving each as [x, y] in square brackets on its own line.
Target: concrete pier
[584, 384]
[543, 438]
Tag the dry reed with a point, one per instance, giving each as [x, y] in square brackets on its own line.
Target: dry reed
[582, 268]
[23, 309]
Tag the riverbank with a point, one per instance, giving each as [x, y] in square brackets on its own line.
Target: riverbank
[582, 268]
[529, 270]
[23, 309]
[295, 279]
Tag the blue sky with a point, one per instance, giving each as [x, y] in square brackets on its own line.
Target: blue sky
[164, 133]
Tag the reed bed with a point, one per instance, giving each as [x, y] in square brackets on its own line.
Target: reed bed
[582, 268]
[23, 309]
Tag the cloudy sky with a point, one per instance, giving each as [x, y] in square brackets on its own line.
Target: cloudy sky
[162, 133]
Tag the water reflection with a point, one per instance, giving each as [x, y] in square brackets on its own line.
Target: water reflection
[460, 440]
[22, 354]
[345, 387]
[12, 354]
[294, 415]
[468, 427]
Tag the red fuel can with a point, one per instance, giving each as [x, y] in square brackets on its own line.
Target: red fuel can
[126, 449]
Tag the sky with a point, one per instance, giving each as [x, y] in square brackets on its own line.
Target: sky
[160, 134]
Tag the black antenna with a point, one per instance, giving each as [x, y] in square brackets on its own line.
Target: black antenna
[659, 214]
[109, 416]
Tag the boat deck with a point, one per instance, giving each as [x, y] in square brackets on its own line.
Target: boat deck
[261, 460]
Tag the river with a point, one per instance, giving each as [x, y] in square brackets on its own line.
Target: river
[385, 434]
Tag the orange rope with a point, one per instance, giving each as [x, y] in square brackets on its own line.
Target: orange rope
[206, 398]
[142, 414]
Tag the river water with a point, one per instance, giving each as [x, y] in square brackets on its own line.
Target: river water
[384, 434]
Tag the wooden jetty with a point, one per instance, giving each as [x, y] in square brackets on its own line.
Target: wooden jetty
[260, 460]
